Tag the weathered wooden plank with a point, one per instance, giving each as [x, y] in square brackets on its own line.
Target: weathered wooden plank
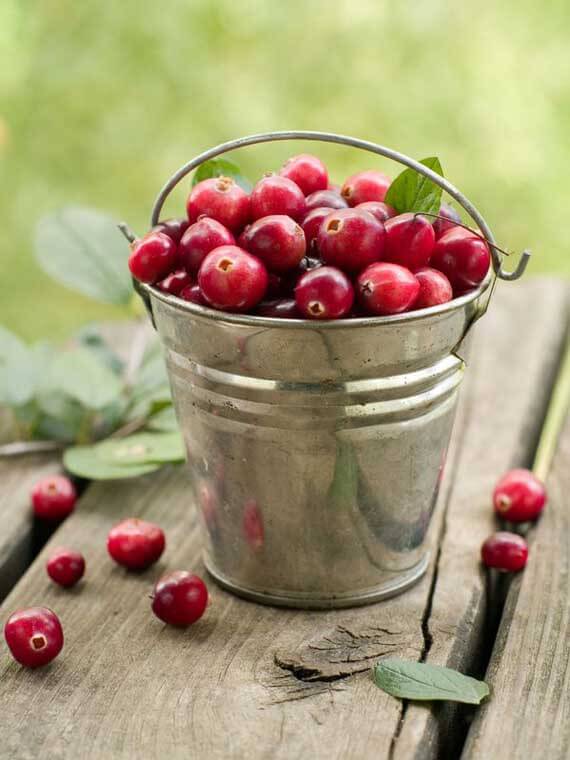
[249, 680]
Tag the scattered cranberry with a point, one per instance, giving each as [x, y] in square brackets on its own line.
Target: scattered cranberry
[435, 288]
[174, 228]
[277, 240]
[350, 239]
[410, 241]
[152, 257]
[324, 293]
[65, 567]
[441, 226]
[382, 211]
[519, 496]
[193, 294]
[312, 223]
[282, 308]
[54, 498]
[505, 551]
[327, 198]
[232, 279]
[385, 288]
[175, 282]
[277, 195]
[199, 239]
[463, 257]
[220, 198]
[307, 171]
[179, 598]
[135, 544]
[252, 524]
[34, 636]
[365, 186]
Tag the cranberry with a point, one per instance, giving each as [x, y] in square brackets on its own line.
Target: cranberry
[135, 544]
[385, 288]
[350, 239]
[199, 239]
[290, 279]
[441, 226]
[324, 293]
[435, 288]
[312, 223]
[54, 498]
[221, 199]
[34, 636]
[282, 308]
[65, 567]
[365, 186]
[232, 279]
[410, 241]
[277, 240]
[463, 257]
[505, 551]
[519, 496]
[175, 282]
[252, 524]
[326, 199]
[277, 195]
[179, 598]
[306, 171]
[274, 285]
[382, 211]
[174, 228]
[193, 294]
[152, 257]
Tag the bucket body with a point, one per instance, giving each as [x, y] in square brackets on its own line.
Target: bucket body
[315, 450]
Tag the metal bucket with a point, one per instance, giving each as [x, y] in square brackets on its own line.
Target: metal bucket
[316, 449]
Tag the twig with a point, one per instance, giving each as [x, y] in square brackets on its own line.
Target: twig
[18, 448]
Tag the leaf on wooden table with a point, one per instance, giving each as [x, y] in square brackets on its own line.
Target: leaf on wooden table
[142, 448]
[411, 191]
[18, 370]
[85, 462]
[164, 420]
[82, 376]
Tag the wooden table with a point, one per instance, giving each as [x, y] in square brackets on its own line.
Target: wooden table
[255, 682]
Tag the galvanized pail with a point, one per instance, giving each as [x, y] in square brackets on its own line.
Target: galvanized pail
[315, 449]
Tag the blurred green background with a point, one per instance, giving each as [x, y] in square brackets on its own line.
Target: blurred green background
[101, 101]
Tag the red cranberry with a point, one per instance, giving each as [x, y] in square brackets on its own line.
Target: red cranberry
[180, 598]
[410, 241]
[385, 288]
[277, 195]
[252, 524]
[519, 496]
[152, 257]
[365, 186]
[34, 636]
[175, 282]
[282, 308]
[350, 239]
[382, 211]
[135, 544]
[221, 199]
[232, 279]
[277, 240]
[324, 293]
[174, 228]
[290, 279]
[199, 239]
[193, 294]
[312, 223]
[505, 551]
[441, 226]
[65, 567]
[326, 199]
[435, 288]
[306, 171]
[54, 498]
[463, 257]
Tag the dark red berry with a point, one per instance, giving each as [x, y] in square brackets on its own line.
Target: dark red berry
[179, 598]
[221, 199]
[382, 211]
[324, 293]
[199, 239]
[135, 544]
[66, 567]
[232, 279]
[274, 286]
[350, 239]
[312, 224]
[290, 279]
[193, 294]
[463, 257]
[153, 257]
[175, 282]
[519, 496]
[365, 186]
[252, 524]
[505, 551]
[277, 240]
[277, 195]
[283, 308]
[325, 198]
[441, 226]
[387, 289]
[174, 228]
[410, 241]
[435, 288]
[306, 171]
[34, 636]
[54, 498]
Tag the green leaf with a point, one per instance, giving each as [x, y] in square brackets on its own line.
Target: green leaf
[420, 681]
[83, 250]
[411, 191]
[164, 420]
[142, 448]
[85, 462]
[221, 167]
[90, 337]
[80, 375]
[18, 370]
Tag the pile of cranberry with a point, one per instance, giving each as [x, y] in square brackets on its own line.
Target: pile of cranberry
[298, 247]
